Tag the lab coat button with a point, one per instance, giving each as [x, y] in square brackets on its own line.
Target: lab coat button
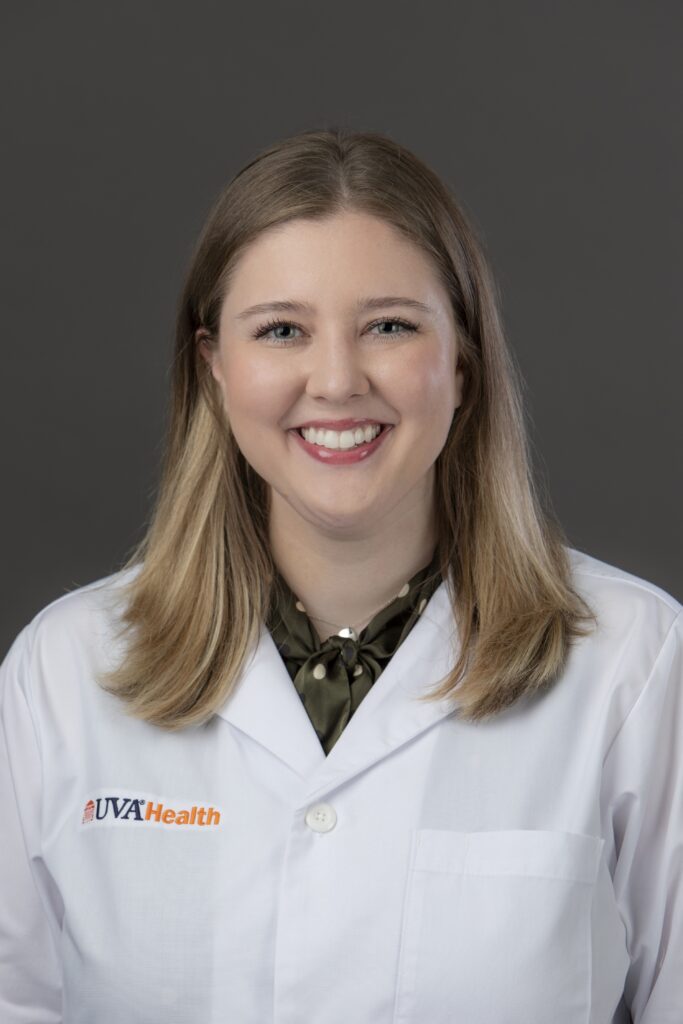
[321, 817]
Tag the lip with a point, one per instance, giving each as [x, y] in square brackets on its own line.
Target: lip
[339, 424]
[339, 457]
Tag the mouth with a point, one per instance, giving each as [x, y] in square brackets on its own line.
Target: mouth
[360, 436]
[359, 451]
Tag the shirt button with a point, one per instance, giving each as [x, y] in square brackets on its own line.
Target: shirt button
[321, 817]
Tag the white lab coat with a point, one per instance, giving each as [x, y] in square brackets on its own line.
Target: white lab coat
[526, 870]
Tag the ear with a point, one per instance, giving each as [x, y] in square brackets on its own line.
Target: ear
[201, 340]
[208, 349]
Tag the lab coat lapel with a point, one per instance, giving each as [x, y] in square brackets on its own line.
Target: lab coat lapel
[266, 706]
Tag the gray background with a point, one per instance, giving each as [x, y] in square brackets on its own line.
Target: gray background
[557, 125]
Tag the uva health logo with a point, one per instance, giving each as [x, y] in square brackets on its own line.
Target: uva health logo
[144, 810]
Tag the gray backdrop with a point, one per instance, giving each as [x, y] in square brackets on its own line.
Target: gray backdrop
[558, 126]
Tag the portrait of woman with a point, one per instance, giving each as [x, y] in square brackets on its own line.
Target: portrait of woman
[354, 734]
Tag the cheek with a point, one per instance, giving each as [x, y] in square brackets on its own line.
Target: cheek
[254, 389]
[427, 385]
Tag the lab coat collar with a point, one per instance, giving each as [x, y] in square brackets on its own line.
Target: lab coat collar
[266, 706]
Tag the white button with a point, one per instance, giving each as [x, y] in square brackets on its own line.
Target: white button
[319, 671]
[321, 817]
[403, 591]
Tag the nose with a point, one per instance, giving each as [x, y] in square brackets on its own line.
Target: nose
[335, 368]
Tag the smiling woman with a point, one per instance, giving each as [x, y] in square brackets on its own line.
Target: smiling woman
[354, 734]
[308, 256]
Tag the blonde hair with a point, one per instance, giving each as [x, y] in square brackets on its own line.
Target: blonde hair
[194, 608]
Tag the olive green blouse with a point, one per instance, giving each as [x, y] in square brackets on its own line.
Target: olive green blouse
[333, 677]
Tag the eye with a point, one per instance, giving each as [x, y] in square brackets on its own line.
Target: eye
[272, 325]
[406, 327]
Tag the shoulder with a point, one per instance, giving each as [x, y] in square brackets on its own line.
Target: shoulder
[635, 616]
[72, 635]
[604, 581]
[93, 606]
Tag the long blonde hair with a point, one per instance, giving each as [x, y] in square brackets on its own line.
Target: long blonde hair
[194, 607]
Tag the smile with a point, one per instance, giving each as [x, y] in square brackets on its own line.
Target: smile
[344, 439]
[341, 448]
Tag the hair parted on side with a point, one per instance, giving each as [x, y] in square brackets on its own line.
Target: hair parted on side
[194, 608]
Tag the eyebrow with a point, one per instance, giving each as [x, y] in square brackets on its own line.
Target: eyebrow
[290, 306]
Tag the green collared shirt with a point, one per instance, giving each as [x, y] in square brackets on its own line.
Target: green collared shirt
[333, 677]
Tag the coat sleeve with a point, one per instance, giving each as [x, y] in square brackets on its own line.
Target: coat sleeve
[30, 975]
[643, 777]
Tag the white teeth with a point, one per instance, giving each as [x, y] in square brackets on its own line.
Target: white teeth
[340, 439]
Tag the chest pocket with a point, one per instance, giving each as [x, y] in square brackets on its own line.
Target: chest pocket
[497, 927]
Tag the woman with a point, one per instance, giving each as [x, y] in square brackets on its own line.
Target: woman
[354, 735]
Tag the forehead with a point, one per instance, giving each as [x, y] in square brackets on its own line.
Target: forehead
[347, 253]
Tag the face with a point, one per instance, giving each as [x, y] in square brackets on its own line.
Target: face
[344, 352]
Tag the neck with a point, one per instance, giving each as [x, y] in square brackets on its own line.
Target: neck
[345, 582]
